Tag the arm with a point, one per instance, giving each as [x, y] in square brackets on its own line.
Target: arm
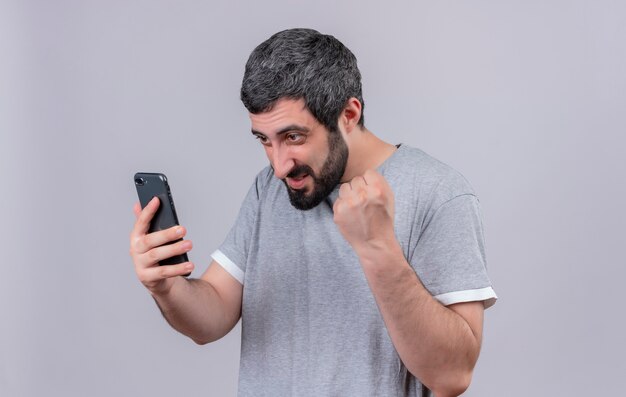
[204, 309]
[439, 345]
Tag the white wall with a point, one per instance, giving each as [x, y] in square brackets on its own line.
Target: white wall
[525, 98]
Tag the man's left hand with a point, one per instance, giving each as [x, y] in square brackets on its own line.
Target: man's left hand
[364, 212]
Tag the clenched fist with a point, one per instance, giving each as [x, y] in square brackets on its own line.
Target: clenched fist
[364, 212]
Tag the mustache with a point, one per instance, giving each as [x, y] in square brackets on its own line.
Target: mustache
[300, 170]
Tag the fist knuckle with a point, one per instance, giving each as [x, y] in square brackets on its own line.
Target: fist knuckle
[376, 191]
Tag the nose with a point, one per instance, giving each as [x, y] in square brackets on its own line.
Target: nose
[282, 162]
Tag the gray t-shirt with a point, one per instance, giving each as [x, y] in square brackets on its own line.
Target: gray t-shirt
[310, 324]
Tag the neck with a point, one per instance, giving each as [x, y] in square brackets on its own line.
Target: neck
[367, 152]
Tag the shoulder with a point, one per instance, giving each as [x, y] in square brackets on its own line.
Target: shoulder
[263, 181]
[432, 180]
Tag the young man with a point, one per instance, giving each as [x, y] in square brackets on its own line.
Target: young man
[356, 266]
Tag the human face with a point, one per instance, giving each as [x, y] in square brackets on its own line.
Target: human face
[308, 158]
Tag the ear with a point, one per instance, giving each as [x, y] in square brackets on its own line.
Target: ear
[351, 114]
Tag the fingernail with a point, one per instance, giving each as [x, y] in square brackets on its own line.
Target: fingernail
[186, 245]
[188, 266]
[179, 231]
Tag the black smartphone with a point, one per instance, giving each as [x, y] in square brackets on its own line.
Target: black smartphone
[149, 185]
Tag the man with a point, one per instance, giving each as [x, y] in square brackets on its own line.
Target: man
[356, 266]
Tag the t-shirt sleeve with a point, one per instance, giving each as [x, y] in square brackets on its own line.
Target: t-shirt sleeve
[232, 255]
[449, 257]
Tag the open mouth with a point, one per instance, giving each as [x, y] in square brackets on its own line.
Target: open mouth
[298, 182]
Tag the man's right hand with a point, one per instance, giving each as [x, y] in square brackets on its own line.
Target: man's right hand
[148, 249]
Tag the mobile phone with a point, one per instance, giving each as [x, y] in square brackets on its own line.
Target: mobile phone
[149, 185]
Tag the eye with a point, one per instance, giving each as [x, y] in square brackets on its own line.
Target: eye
[263, 139]
[296, 138]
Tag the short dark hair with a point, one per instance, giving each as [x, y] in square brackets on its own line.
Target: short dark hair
[302, 63]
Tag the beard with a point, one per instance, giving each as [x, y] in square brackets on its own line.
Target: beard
[329, 176]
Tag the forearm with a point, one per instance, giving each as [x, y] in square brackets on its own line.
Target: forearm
[194, 308]
[436, 344]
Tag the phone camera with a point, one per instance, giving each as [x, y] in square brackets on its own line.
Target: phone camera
[140, 181]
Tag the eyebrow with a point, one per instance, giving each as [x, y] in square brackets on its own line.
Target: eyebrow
[284, 130]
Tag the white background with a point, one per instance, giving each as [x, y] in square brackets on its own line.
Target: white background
[526, 98]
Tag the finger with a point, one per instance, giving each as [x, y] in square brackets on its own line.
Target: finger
[379, 190]
[156, 255]
[143, 221]
[358, 183]
[377, 183]
[344, 189]
[137, 209]
[337, 204]
[338, 208]
[158, 273]
[372, 177]
[149, 241]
